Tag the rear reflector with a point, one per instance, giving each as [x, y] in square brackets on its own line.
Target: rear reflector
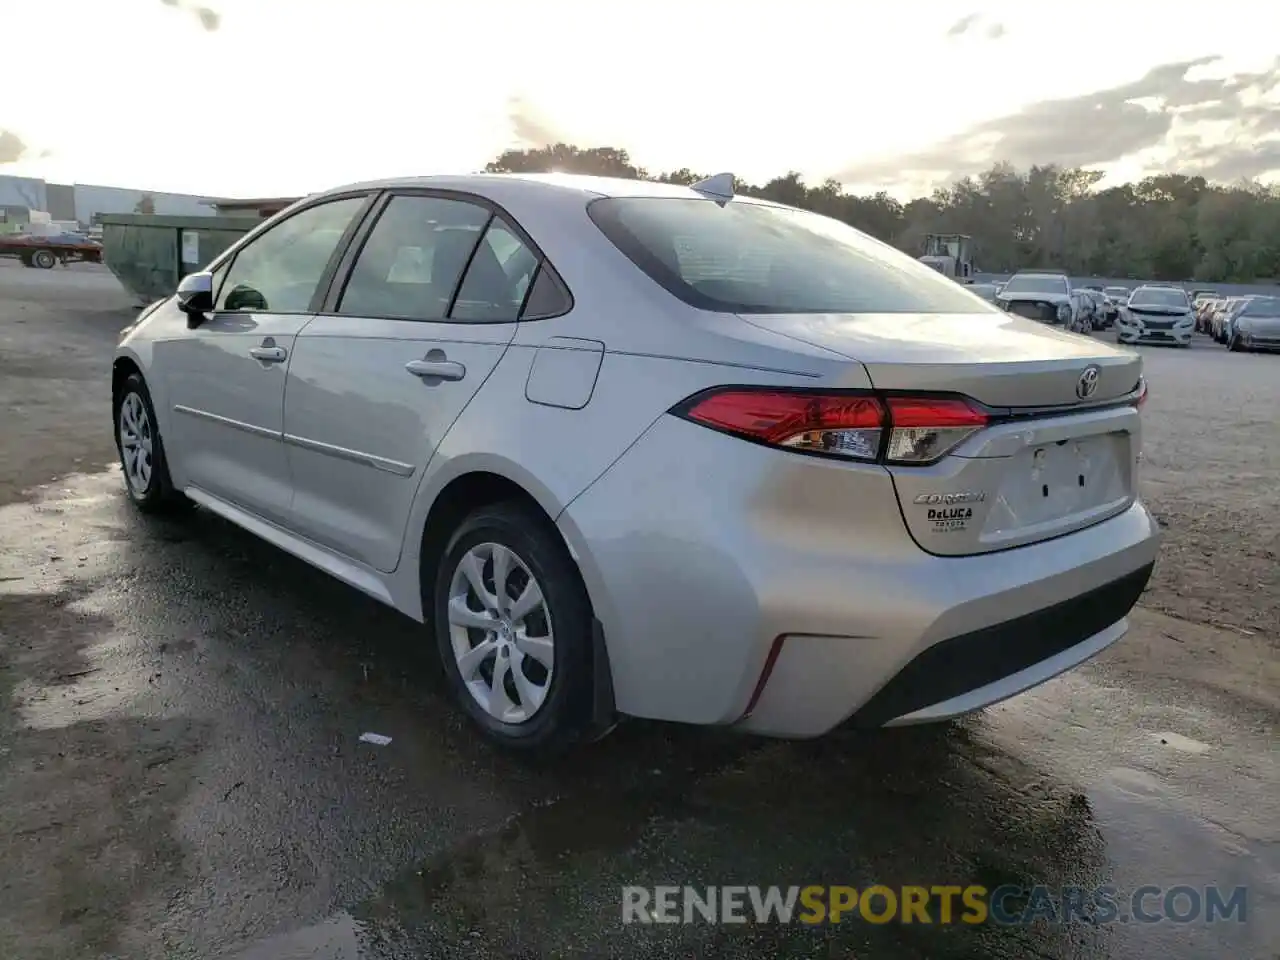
[926, 429]
[863, 426]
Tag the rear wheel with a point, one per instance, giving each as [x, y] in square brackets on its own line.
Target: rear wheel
[513, 626]
[146, 472]
[44, 259]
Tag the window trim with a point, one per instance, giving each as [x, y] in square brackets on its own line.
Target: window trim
[341, 276]
[228, 257]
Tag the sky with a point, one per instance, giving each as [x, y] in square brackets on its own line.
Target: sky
[283, 97]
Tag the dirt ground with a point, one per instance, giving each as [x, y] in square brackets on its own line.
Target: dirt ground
[180, 775]
[1212, 460]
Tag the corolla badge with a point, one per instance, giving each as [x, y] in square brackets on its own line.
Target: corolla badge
[963, 496]
[1087, 385]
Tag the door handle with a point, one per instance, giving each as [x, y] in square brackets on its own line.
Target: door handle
[436, 369]
[268, 354]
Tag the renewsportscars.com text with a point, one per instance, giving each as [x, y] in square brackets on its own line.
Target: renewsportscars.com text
[940, 904]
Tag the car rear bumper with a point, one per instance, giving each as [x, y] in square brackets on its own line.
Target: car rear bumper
[739, 585]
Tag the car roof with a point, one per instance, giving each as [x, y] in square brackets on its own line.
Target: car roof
[586, 187]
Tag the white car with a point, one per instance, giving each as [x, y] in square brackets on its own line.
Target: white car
[1156, 314]
[1045, 296]
[636, 449]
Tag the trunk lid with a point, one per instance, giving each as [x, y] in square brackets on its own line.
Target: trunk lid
[1050, 461]
[995, 358]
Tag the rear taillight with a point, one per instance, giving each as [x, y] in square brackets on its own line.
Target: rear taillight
[1142, 393]
[897, 429]
[926, 429]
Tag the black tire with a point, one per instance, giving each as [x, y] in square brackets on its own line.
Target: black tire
[564, 715]
[158, 494]
[1236, 345]
[44, 259]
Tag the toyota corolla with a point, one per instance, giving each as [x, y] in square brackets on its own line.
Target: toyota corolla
[629, 449]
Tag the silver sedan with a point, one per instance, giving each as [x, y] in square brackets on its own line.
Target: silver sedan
[1257, 325]
[629, 449]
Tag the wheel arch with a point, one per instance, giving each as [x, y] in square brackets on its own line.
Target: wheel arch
[123, 367]
[467, 484]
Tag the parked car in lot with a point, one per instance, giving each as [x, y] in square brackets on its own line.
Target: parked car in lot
[1156, 314]
[1046, 296]
[987, 291]
[1204, 311]
[1257, 325]
[637, 449]
[1097, 309]
[1225, 316]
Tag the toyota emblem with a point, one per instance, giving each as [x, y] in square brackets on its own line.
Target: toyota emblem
[1087, 385]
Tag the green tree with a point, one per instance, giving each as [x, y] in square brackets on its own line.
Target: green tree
[1168, 227]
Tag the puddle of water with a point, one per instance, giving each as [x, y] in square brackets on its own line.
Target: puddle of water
[1152, 838]
[1171, 809]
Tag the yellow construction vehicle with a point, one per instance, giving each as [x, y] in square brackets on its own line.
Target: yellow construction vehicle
[950, 254]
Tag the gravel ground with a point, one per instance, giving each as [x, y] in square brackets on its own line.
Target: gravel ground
[180, 775]
[1212, 440]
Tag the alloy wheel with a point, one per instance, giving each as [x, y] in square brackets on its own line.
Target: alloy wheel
[501, 634]
[136, 442]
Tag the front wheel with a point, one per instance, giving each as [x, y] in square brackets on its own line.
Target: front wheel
[513, 626]
[146, 472]
[1235, 345]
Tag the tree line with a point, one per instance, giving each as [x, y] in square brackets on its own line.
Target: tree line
[1167, 227]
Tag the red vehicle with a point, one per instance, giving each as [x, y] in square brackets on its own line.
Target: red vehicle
[46, 252]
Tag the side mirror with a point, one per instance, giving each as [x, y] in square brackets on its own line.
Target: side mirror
[195, 294]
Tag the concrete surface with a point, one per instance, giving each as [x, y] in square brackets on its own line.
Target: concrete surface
[180, 774]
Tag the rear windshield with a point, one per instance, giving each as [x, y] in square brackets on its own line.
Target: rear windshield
[1042, 283]
[1157, 297]
[1122, 292]
[742, 257]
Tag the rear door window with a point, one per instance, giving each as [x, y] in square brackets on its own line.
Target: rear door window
[413, 258]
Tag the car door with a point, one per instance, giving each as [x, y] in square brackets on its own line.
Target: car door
[225, 377]
[424, 314]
